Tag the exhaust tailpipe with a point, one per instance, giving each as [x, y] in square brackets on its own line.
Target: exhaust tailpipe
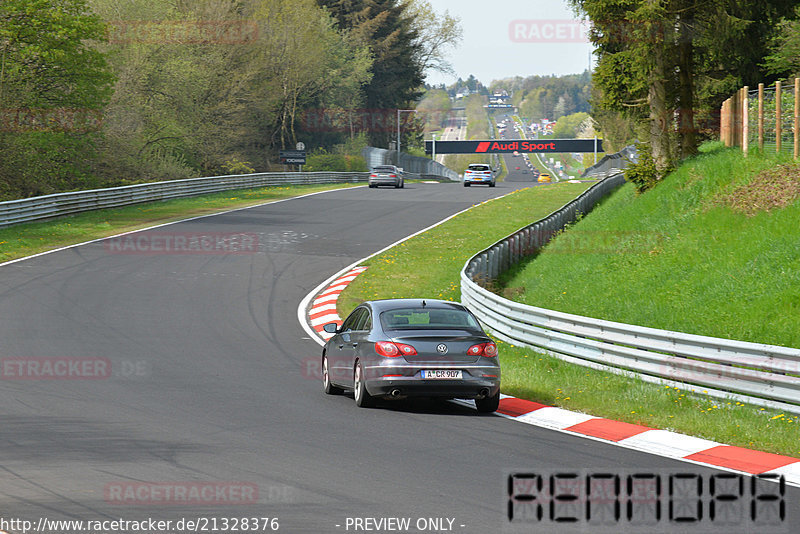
[395, 393]
[484, 393]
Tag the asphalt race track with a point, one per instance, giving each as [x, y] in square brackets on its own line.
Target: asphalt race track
[524, 174]
[199, 374]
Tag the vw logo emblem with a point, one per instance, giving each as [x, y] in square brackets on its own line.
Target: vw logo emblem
[441, 348]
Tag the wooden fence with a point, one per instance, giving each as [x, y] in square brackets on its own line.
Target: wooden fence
[767, 116]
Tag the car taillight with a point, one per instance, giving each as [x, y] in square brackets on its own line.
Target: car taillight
[393, 350]
[392, 176]
[373, 175]
[483, 349]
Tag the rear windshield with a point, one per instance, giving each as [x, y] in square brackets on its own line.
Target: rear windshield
[383, 169]
[478, 168]
[426, 318]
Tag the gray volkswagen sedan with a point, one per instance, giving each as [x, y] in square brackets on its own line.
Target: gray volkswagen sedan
[399, 348]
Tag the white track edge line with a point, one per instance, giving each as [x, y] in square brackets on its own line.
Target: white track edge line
[303, 306]
[171, 222]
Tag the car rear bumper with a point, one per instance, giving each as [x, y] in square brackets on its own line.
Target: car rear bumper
[384, 181]
[476, 382]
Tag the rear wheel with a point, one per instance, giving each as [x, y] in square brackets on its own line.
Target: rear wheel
[363, 398]
[489, 404]
[491, 184]
[330, 389]
[466, 184]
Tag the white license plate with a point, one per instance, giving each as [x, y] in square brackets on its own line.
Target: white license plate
[441, 374]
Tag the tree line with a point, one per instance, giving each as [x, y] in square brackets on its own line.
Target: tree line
[96, 93]
[665, 66]
[548, 97]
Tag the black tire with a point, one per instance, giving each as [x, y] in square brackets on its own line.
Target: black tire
[491, 184]
[329, 388]
[371, 186]
[466, 184]
[489, 404]
[362, 397]
[403, 184]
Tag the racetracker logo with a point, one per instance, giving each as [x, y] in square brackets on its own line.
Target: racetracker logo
[548, 31]
[164, 243]
[183, 32]
[73, 120]
[181, 493]
[60, 368]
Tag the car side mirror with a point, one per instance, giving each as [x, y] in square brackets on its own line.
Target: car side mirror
[331, 328]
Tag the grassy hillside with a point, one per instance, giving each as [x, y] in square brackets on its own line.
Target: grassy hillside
[713, 250]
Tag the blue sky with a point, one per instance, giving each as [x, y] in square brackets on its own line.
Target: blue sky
[490, 50]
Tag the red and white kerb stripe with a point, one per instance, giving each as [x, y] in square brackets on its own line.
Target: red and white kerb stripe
[323, 308]
[661, 442]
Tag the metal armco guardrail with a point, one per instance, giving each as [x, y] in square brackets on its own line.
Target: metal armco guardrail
[412, 165]
[612, 163]
[45, 207]
[766, 375]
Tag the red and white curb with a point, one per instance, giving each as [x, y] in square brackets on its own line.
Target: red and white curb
[651, 440]
[637, 437]
[323, 308]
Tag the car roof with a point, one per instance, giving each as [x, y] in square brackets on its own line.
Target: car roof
[379, 306]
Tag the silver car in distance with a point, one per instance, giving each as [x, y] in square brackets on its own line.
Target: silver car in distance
[400, 348]
[387, 175]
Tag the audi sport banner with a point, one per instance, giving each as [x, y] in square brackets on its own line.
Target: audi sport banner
[519, 145]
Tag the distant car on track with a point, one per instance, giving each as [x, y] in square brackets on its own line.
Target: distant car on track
[479, 173]
[544, 177]
[399, 348]
[386, 175]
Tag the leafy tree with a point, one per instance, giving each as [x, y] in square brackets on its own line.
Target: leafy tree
[568, 126]
[434, 108]
[662, 62]
[436, 34]
[390, 31]
[53, 86]
[785, 56]
[184, 107]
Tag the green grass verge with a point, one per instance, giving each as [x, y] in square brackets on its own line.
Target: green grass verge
[429, 264]
[548, 380]
[679, 258]
[32, 238]
[675, 258]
